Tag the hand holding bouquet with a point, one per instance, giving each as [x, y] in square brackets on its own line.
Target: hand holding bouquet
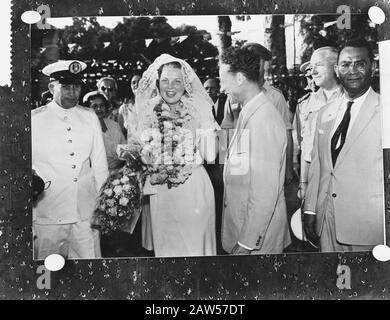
[120, 198]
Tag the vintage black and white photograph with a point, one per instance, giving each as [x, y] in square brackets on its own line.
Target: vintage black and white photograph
[180, 136]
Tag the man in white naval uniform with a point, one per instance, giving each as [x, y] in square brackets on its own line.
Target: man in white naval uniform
[68, 150]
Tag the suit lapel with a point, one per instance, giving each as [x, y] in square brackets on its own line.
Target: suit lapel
[221, 109]
[363, 118]
[331, 113]
[243, 120]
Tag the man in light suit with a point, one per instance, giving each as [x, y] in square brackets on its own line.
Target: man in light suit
[278, 100]
[254, 213]
[68, 151]
[344, 203]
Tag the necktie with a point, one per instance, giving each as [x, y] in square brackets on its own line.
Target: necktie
[213, 110]
[340, 133]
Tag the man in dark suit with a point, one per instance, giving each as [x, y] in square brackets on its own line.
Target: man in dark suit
[212, 87]
[215, 170]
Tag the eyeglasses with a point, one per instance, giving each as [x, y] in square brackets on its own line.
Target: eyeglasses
[103, 88]
[359, 65]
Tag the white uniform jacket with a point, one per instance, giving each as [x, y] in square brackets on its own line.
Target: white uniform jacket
[68, 150]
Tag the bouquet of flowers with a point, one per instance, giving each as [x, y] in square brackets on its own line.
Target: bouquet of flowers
[120, 198]
[168, 145]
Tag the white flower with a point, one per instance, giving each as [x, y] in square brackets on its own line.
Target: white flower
[168, 160]
[118, 190]
[116, 182]
[165, 107]
[168, 125]
[188, 158]
[123, 201]
[125, 179]
[108, 192]
[112, 211]
[146, 136]
[147, 148]
[126, 187]
[156, 135]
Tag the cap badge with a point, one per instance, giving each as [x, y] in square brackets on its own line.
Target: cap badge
[75, 67]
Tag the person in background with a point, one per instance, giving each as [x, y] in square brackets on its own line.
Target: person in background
[127, 108]
[215, 170]
[344, 201]
[67, 150]
[322, 64]
[46, 97]
[109, 88]
[212, 87]
[112, 133]
[309, 88]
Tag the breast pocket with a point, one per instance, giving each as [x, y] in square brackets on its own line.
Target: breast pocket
[239, 163]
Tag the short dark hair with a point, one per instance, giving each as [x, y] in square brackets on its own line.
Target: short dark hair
[242, 60]
[358, 43]
[217, 82]
[261, 51]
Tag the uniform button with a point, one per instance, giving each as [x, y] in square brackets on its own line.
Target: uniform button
[68, 128]
[334, 195]
[73, 166]
[75, 179]
[71, 154]
[70, 141]
[225, 204]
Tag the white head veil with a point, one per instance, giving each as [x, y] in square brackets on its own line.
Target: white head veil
[147, 95]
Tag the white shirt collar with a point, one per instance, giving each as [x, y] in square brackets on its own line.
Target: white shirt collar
[355, 109]
[59, 110]
[360, 99]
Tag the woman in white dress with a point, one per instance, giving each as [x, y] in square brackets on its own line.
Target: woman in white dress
[183, 216]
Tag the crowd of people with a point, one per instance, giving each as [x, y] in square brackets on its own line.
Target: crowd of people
[247, 139]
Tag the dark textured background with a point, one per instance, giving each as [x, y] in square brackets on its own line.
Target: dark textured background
[292, 276]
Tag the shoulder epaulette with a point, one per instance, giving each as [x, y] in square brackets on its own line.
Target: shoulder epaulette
[85, 108]
[38, 110]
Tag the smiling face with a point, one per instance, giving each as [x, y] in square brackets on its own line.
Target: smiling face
[107, 87]
[65, 95]
[229, 83]
[212, 88]
[355, 70]
[323, 69]
[171, 84]
[99, 106]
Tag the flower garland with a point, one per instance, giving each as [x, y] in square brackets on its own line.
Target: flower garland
[169, 146]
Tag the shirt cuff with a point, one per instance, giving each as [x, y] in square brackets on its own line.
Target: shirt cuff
[244, 246]
[310, 212]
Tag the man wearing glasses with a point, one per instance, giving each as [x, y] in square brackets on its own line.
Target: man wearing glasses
[344, 205]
